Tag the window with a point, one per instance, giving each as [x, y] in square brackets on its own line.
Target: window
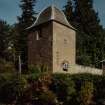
[39, 34]
[65, 41]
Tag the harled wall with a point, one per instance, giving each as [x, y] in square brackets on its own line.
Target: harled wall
[63, 45]
[77, 69]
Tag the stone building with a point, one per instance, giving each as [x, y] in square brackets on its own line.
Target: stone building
[51, 41]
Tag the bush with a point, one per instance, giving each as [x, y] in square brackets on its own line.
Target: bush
[86, 93]
[96, 83]
[12, 88]
[47, 98]
[63, 87]
[43, 89]
[6, 67]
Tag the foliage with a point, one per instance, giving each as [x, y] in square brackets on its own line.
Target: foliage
[4, 40]
[82, 82]
[99, 93]
[47, 98]
[68, 10]
[86, 93]
[6, 66]
[63, 87]
[84, 89]
[38, 86]
[36, 72]
[11, 89]
[38, 91]
[88, 22]
[90, 35]
[21, 34]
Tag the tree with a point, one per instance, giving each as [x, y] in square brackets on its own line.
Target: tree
[27, 17]
[99, 93]
[4, 40]
[86, 16]
[24, 21]
[68, 10]
[90, 32]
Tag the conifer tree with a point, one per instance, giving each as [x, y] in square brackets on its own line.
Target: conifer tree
[90, 35]
[88, 23]
[4, 40]
[27, 17]
[68, 10]
[25, 20]
[86, 16]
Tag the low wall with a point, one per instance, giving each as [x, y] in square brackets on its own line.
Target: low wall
[78, 69]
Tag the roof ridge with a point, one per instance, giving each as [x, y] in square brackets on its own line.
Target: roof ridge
[52, 12]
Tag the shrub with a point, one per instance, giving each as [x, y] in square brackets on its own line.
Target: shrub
[6, 67]
[86, 93]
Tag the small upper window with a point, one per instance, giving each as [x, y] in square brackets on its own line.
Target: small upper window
[65, 41]
[39, 34]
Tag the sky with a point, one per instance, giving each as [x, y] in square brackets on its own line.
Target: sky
[9, 9]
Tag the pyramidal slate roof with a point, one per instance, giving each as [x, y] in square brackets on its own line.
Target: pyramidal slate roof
[51, 13]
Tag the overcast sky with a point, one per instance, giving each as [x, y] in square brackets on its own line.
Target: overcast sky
[9, 9]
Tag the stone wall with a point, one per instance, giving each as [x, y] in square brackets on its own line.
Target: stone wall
[63, 45]
[40, 49]
[56, 44]
[77, 69]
